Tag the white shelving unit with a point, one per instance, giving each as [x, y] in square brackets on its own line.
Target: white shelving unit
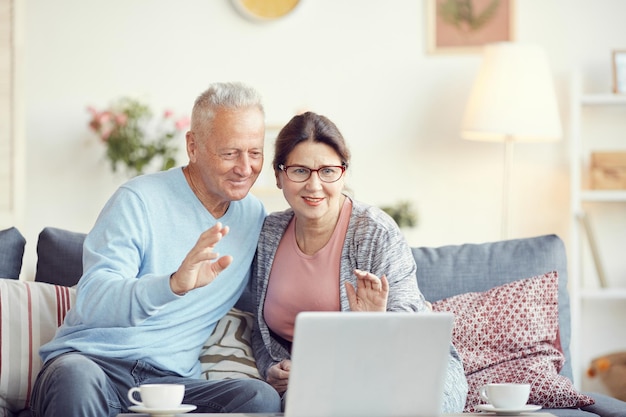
[597, 252]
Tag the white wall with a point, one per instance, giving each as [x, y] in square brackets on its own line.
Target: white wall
[362, 63]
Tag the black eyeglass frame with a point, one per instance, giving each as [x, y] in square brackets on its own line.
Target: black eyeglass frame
[284, 168]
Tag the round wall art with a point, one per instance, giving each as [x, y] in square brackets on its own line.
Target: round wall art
[265, 10]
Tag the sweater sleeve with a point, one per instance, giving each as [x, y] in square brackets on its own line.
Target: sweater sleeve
[455, 387]
[267, 350]
[112, 253]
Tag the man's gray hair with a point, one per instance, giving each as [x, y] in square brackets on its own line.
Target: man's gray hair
[230, 95]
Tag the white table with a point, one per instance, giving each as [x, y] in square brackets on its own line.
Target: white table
[534, 414]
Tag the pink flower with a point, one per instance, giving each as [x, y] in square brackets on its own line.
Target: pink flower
[121, 119]
[104, 135]
[168, 113]
[183, 123]
[94, 124]
[104, 117]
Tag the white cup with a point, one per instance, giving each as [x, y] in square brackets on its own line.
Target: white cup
[505, 396]
[158, 396]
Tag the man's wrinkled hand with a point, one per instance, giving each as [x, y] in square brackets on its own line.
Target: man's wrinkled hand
[201, 265]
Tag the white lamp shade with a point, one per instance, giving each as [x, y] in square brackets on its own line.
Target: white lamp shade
[512, 97]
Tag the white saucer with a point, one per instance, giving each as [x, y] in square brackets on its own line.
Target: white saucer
[508, 412]
[183, 408]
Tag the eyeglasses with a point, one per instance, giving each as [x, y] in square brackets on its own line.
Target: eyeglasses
[328, 173]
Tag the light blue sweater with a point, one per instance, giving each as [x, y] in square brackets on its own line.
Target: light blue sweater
[125, 307]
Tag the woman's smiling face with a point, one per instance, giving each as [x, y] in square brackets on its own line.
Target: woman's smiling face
[313, 199]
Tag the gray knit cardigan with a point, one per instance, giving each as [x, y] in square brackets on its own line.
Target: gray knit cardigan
[373, 243]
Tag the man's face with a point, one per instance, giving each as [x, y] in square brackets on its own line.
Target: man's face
[229, 158]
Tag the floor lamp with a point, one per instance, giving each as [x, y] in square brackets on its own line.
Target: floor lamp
[512, 100]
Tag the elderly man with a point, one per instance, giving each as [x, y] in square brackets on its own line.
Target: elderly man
[168, 256]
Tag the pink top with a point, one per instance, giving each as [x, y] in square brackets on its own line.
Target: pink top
[300, 282]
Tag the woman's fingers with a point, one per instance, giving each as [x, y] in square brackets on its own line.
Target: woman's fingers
[369, 280]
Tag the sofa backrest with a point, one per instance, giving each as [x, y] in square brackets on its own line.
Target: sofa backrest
[59, 256]
[456, 269]
[11, 253]
[441, 272]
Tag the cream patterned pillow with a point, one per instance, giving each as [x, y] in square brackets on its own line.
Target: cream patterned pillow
[30, 313]
[227, 354]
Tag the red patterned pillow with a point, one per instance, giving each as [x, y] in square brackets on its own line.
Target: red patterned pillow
[511, 334]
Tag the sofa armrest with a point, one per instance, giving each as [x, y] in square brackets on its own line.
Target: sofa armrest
[606, 406]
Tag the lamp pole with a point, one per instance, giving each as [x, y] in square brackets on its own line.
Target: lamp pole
[512, 100]
[506, 185]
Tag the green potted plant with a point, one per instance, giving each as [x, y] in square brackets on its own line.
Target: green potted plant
[134, 138]
[402, 213]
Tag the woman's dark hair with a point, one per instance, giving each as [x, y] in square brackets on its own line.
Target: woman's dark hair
[312, 127]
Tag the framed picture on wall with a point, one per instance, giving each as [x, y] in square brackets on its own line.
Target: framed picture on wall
[619, 72]
[464, 26]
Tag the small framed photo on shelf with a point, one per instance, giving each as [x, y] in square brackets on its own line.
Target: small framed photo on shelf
[619, 71]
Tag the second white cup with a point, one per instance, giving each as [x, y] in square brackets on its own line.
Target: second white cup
[158, 396]
[505, 396]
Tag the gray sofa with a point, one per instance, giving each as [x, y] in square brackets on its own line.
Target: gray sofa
[451, 270]
[443, 273]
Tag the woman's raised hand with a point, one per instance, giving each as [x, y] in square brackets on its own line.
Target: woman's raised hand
[370, 294]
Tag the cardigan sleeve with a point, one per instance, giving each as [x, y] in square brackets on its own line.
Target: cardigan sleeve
[374, 243]
[267, 350]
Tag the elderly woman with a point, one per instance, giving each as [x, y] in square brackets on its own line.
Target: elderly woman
[328, 252]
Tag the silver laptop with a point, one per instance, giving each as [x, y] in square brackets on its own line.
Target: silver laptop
[368, 364]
